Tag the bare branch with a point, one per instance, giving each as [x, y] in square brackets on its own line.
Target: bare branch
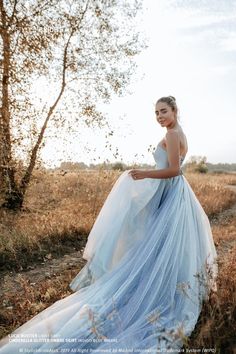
[25, 180]
[13, 12]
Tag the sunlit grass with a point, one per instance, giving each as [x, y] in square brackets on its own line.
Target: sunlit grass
[216, 325]
[211, 191]
[61, 207]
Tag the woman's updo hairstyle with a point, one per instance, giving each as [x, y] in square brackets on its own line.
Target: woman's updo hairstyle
[171, 101]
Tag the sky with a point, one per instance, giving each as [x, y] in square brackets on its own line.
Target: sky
[191, 55]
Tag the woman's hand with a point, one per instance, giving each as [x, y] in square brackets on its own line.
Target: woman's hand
[137, 174]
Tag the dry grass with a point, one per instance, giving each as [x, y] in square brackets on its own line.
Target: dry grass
[61, 208]
[216, 325]
[55, 203]
[226, 231]
[58, 209]
[211, 191]
[31, 298]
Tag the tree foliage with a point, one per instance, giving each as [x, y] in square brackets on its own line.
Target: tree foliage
[197, 164]
[82, 51]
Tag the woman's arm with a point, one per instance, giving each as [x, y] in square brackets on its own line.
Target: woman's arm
[172, 144]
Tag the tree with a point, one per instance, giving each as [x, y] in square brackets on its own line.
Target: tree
[83, 52]
[118, 166]
[197, 164]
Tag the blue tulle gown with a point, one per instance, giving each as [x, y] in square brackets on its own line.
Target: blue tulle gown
[151, 261]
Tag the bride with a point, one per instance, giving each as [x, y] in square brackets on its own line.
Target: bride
[151, 261]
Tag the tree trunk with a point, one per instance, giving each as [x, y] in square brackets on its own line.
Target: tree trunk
[7, 171]
[14, 200]
[15, 194]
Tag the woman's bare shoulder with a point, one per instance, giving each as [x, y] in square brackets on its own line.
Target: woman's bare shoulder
[177, 135]
[172, 133]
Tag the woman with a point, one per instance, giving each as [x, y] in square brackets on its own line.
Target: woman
[151, 263]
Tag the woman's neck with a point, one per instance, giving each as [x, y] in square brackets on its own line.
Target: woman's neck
[175, 126]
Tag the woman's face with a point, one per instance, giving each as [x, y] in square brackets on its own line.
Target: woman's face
[164, 114]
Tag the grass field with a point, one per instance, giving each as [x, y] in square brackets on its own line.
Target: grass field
[58, 214]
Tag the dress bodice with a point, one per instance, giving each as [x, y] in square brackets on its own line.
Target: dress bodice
[161, 158]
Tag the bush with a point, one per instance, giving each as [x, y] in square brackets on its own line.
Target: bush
[197, 164]
[118, 166]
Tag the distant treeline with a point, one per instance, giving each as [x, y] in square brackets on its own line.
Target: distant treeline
[196, 164]
[75, 166]
[221, 166]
